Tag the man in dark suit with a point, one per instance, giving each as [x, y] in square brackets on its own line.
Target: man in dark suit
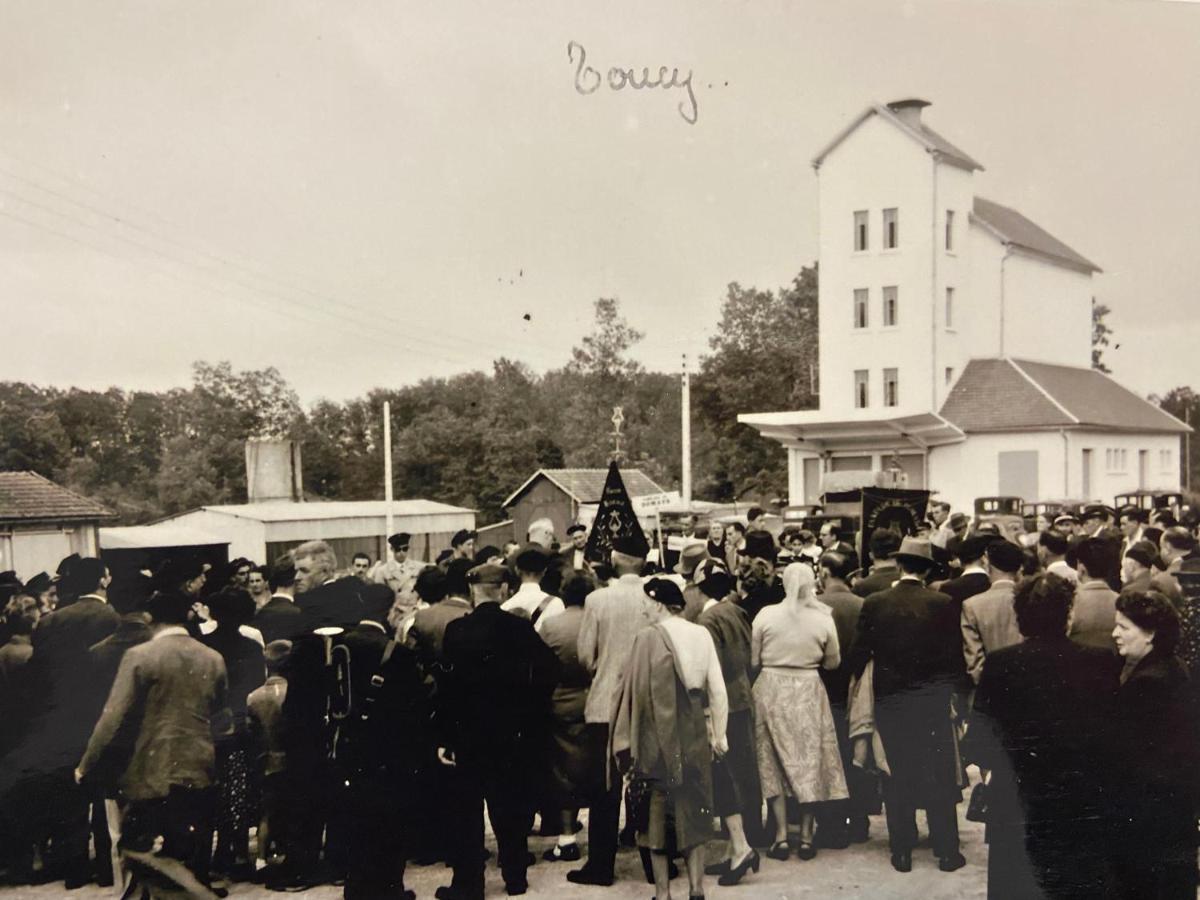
[1041, 725]
[157, 731]
[572, 553]
[841, 822]
[884, 573]
[60, 662]
[280, 619]
[912, 635]
[974, 578]
[492, 723]
[324, 600]
[381, 746]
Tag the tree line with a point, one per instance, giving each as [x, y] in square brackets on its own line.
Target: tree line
[469, 439]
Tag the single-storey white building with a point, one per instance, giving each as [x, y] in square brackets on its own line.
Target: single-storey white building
[263, 531]
[955, 338]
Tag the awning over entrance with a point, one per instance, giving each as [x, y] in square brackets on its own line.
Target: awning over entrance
[812, 430]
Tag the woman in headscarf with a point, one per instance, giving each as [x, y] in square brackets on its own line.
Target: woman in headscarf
[795, 736]
[661, 734]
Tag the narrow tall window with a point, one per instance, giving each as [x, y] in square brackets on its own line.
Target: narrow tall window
[891, 387]
[949, 374]
[890, 303]
[891, 229]
[860, 308]
[949, 307]
[860, 389]
[949, 229]
[860, 230]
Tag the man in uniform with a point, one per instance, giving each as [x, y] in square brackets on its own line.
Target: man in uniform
[400, 574]
[492, 722]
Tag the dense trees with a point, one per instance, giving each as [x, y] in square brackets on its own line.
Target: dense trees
[470, 439]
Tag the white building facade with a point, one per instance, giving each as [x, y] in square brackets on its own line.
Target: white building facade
[955, 338]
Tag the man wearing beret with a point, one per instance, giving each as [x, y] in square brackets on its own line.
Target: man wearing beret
[491, 722]
[400, 574]
[577, 535]
[463, 544]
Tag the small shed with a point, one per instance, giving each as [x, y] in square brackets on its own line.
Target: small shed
[42, 522]
[263, 531]
[564, 495]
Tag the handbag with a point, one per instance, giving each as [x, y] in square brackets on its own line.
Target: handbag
[977, 806]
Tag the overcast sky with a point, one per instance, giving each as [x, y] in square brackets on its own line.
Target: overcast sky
[364, 194]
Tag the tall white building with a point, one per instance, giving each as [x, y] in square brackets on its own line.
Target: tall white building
[955, 336]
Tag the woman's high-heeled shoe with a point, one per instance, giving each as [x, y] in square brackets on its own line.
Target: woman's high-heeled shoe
[738, 872]
[718, 868]
[779, 850]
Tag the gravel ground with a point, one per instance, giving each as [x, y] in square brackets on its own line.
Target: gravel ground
[862, 870]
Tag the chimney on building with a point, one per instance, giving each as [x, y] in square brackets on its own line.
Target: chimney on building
[273, 471]
[909, 110]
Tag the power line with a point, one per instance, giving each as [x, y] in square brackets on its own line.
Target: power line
[447, 340]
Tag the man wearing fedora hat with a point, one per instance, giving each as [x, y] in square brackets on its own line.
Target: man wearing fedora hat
[911, 633]
[689, 558]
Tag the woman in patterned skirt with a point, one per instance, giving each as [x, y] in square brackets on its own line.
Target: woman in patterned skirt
[794, 731]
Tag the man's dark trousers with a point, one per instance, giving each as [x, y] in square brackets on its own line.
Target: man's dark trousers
[509, 806]
[604, 815]
[377, 830]
[902, 822]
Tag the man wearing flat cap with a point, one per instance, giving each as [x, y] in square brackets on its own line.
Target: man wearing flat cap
[400, 574]
[491, 724]
[912, 635]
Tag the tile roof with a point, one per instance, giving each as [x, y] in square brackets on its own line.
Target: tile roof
[1012, 395]
[28, 497]
[586, 485]
[1014, 228]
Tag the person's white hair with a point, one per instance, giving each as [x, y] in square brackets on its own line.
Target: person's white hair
[322, 555]
[541, 531]
[800, 583]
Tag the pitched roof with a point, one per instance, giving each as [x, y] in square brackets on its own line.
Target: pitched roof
[28, 497]
[586, 485]
[930, 139]
[1013, 228]
[1013, 395]
[309, 511]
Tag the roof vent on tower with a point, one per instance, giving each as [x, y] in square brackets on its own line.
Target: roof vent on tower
[909, 110]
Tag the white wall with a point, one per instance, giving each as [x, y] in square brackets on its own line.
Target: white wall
[247, 537]
[1047, 312]
[961, 472]
[876, 167]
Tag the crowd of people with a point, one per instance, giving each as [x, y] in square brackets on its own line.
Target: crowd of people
[302, 723]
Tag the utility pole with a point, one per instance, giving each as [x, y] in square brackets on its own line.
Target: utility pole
[387, 466]
[686, 442]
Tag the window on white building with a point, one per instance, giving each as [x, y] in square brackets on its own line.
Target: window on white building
[949, 307]
[949, 229]
[860, 389]
[860, 307]
[1166, 460]
[1116, 459]
[860, 230]
[891, 228]
[890, 307]
[891, 387]
[949, 374]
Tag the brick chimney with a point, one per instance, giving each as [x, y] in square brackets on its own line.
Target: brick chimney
[909, 110]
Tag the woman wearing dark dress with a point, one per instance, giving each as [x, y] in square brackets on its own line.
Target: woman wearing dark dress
[232, 608]
[1155, 769]
[570, 770]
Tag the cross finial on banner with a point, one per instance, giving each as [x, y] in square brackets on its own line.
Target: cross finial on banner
[618, 419]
